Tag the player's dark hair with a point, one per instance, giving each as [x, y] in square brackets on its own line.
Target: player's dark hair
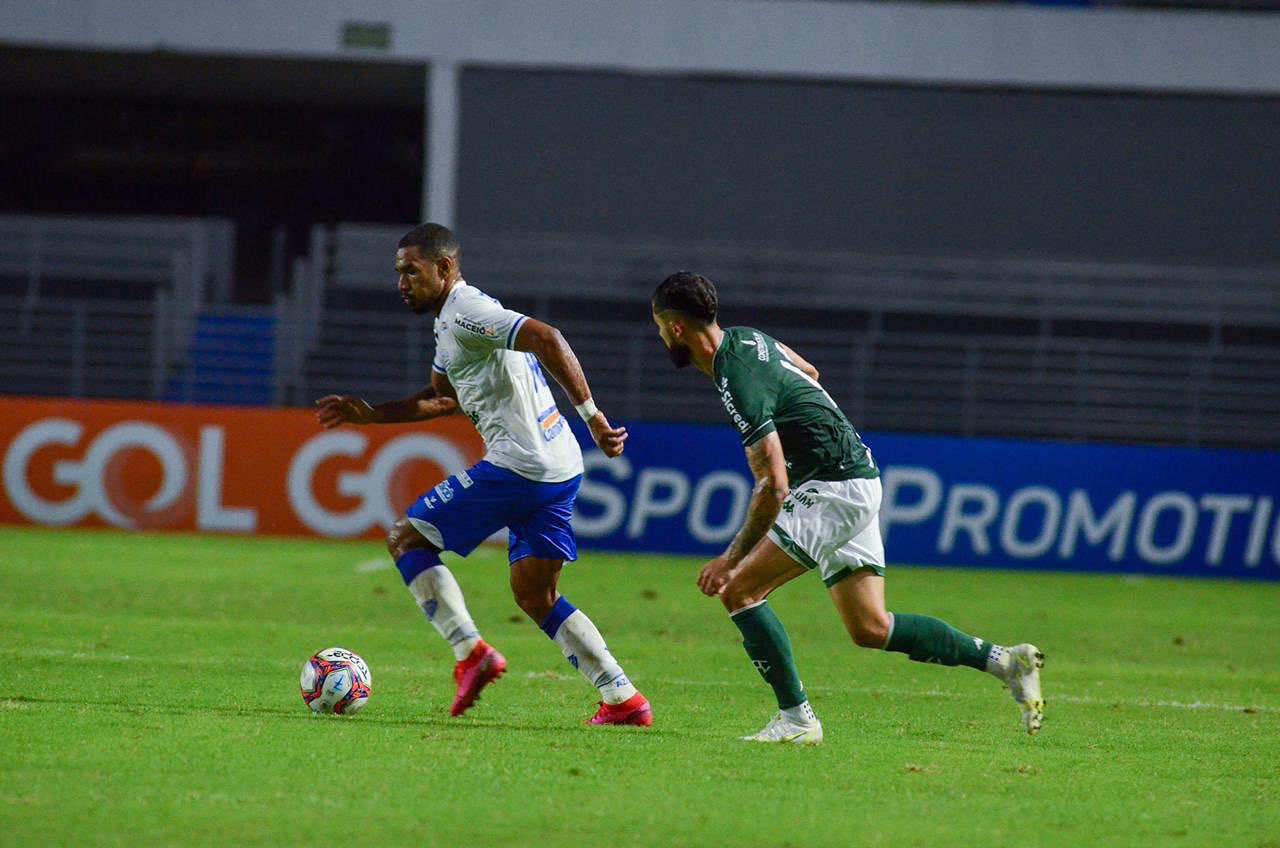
[432, 241]
[689, 294]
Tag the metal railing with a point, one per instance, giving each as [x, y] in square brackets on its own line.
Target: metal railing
[1038, 387]
[359, 256]
[83, 348]
[1028, 378]
[84, 265]
[1038, 382]
[1056, 388]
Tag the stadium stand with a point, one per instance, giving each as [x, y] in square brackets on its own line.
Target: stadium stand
[104, 307]
[1031, 348]
[231, 358]
[1004, 347]
[122, 258]
[80, 348]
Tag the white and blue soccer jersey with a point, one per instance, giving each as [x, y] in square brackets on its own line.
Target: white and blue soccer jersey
[503, 391]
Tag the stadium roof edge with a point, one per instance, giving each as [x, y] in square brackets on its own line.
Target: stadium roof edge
[984, 45]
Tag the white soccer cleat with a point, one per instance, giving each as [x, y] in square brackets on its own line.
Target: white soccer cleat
[1023, 681]
[781, 729]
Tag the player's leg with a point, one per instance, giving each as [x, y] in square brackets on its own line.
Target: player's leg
[534, 584]
[433, 587]
[834, 528]
[456, 515]
[859, 599]
[767, 644]
[436, 591]
[854, 574]
[540, 543]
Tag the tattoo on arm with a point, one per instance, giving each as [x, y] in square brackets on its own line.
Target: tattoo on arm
[766, 500]
[758, 459]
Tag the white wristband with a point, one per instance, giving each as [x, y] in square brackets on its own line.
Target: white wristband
[587, 409]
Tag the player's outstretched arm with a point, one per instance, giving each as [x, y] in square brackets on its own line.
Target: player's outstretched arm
[769, 467]
[548, 344]
[799, 361]
[335, 410]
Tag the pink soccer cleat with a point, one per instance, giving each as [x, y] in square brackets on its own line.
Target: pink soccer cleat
[481, 667]
[635, 710]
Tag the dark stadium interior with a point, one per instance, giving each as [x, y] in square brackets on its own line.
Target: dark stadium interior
[277, 146]
[863, 201]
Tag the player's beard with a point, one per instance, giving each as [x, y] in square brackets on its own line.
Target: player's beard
[681, 355]
[414, 306]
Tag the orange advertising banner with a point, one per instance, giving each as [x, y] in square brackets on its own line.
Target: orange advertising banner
[215, 468]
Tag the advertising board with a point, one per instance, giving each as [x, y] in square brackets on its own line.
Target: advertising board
[677, 489]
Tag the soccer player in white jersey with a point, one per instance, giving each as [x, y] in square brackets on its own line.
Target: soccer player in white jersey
[815, 508]
[489, 365]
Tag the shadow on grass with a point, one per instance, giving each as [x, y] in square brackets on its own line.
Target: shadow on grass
[302, 715]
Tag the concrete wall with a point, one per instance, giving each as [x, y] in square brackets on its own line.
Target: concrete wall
[877, 169]
[671, 118]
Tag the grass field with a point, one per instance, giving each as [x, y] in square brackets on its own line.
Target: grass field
[149, 696]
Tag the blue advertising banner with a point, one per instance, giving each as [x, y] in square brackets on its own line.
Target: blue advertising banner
[990, 503]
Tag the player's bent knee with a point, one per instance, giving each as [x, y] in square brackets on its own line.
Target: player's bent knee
[871, 632]
[536, 603]
[735, 597]
[395, 538]
[403, 537]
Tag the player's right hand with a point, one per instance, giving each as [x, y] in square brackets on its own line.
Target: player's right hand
[714, 575]
[608, 439]
[334, 410]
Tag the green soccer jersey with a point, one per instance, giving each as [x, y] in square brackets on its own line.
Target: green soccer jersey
[763, 391]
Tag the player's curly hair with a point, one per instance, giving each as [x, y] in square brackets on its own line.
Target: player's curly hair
[432, 241]
[689, 294]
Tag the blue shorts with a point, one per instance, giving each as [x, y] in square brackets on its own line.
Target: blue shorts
[469, 507]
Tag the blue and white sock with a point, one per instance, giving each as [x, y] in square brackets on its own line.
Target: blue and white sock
[440, 599]
[584, 648]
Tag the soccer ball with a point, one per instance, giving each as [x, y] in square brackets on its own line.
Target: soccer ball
[336, 681]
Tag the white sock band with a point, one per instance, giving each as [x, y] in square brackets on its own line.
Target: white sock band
[584, 648]
[888, 638]
[801, 714]
[440, 598]
[999, 661]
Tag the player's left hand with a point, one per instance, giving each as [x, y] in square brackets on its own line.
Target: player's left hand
[334, 410]
[714, 575]
[608, 439]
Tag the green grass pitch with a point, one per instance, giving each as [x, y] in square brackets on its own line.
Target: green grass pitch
[149, 696]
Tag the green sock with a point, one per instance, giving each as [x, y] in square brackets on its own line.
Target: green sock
[924, 638]
[769, 647]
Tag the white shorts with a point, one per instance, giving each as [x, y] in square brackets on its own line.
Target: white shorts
[833, 527]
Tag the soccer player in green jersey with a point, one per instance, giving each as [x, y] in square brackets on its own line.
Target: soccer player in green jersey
[814, 507]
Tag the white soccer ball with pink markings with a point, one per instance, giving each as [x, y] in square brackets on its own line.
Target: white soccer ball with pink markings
[336, 680]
